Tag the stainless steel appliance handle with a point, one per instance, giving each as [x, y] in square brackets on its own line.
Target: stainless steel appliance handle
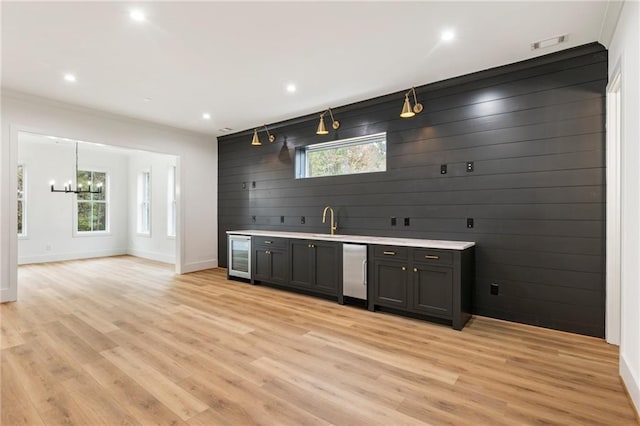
[364, 272]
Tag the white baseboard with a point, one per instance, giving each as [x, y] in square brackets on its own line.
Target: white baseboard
[199, 266]
[631, 382]
[160, 257]
[57, 257]
[8, 295]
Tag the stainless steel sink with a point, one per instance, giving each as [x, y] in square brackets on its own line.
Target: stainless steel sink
[329, 236]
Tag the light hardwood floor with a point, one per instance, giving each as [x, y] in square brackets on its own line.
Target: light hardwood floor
[123, 341]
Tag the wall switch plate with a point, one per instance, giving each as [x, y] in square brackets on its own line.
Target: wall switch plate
[302, 220]
[495, 289]
[394, 221]
[253, 219]
[244, 185]
[443, 169]
[281, 219]
[469, 166]
[469, 222]
[407, 221]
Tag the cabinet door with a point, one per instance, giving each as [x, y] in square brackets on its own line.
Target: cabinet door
[390, 284]
[432, 290]
[301, 263]
[279, 267]
[326, 267]
[261, 264]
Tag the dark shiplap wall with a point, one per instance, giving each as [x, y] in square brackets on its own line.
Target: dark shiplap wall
[535, 131]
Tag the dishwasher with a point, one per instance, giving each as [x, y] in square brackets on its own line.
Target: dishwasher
[354, 271]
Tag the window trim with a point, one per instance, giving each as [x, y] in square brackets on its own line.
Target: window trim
[302, 157]
[25, 222]
[139, 203]
[107, 202]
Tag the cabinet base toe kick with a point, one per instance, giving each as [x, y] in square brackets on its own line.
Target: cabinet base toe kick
[304, 291]
[457, 324]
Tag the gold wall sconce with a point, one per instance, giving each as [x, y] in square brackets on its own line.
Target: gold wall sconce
[322, 129]
[407, 111]
[256, 139]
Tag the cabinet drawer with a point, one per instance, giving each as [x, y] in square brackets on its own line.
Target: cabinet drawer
[438, 257]
[391, 252]
[269, 242]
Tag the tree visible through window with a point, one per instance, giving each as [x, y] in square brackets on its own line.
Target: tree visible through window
[92, 208]
[364, 154]
[22, 225]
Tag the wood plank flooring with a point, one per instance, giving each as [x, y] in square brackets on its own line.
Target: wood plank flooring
[122, 340]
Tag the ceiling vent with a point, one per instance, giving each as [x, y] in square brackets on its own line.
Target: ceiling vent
[548, 42]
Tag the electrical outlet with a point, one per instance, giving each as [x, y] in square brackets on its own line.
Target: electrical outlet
[469, 222]
[469, 166]
[281, 219]
[443, 169]
[302, 220]
[48, 247]
[494, 289]
[394, 221]
[253, 219]
[244, 185]
[407, 221]
[253, 184]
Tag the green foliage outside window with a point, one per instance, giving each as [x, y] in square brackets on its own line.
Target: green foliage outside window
[92, 208]
[363, 158]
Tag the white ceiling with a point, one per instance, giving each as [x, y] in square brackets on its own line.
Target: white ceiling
[235, 59]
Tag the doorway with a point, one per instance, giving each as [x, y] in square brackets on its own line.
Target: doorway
[79, 200]
[613, 215]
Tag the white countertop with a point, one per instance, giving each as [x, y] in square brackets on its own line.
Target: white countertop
[363, 239]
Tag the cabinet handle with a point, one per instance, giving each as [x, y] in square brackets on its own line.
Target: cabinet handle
[310, 245]
[404, 268]
[415, 269]
[268, 242]
[432, 256]
[267, 251]
[389, 253]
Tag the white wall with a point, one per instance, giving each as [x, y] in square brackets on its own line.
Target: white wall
[49, 215]
[156, 246]
[624, 52]
[197, 172]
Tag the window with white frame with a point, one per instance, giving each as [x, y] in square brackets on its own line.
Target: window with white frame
[22, 211]
[144, 203]
[171, 202]
[92, 210]
[364, 154]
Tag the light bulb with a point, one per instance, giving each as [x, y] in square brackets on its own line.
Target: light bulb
[52, 182]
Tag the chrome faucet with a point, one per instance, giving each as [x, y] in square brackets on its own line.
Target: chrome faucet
[334, 225]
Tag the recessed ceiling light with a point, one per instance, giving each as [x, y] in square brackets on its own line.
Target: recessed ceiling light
[225, 129]
[291, 88]
[447, 35]
[70, 78]
[206, 116]
[137, 15]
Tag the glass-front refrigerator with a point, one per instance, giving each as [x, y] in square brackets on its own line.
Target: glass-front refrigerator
[240, 256]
